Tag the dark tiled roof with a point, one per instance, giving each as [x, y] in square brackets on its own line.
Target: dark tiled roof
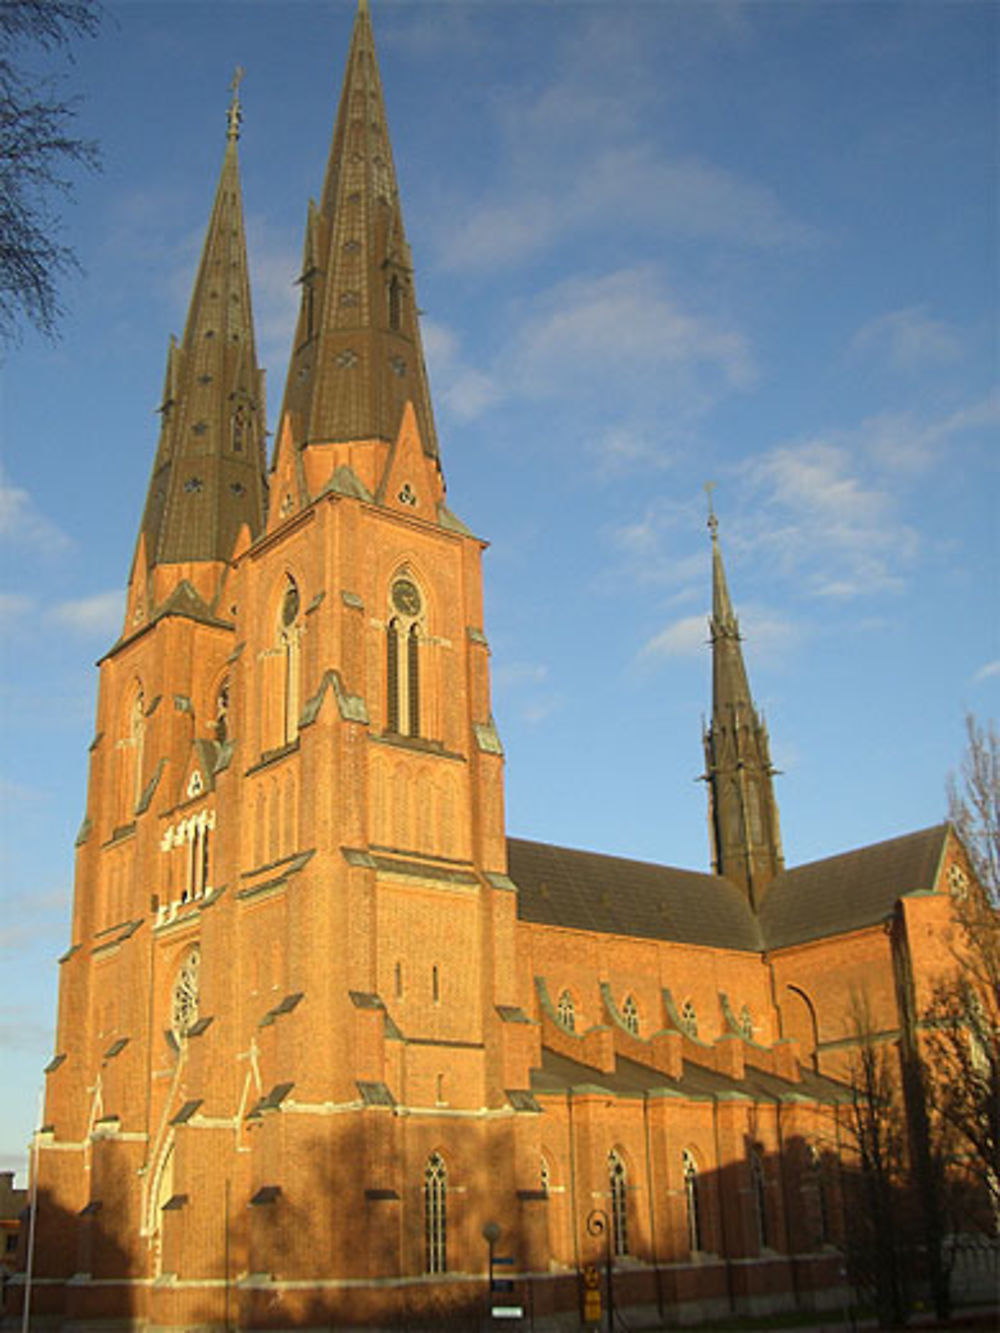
[559, 1073]
[849, 891]
[558, 886]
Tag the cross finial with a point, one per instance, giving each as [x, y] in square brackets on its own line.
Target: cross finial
[713, 522]
[235, 114]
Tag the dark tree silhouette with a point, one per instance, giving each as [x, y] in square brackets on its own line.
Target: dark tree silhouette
[37, 150]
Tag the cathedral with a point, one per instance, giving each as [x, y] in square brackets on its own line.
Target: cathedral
[332, 1049]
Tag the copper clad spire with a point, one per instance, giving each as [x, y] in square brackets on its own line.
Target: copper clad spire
[743, 814]
[209, 473]
[358, 357]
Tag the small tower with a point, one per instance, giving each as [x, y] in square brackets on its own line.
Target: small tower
[743, 814]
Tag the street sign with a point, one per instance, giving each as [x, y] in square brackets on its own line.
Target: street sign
[508, 1312]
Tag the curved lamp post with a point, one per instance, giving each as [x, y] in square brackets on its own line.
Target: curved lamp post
[599, 1224]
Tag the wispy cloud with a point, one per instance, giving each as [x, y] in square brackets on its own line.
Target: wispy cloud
[575, 156]
[988, 671]
[21, 521]
[99, 614]
[626, 324]
[461, 389]
[770, 635]
[907, 339]
[33, 917]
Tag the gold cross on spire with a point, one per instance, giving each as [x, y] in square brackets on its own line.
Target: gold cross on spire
[235, 114]
[713, 522]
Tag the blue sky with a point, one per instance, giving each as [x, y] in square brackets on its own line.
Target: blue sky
[656, 244]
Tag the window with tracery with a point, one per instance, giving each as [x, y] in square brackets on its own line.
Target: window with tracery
[618, 1188]
[403, 636]
[630, 1014]
[566, 1011]
[544, 1175]
[692, 1201]
[758, 1186]
[132, 760]
[289, 639]
[746, 1022]
[435, 1215]
[689, 1019]
[184, 1000]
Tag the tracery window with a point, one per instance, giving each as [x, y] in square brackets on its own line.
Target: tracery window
[618, 1182]
[135, 742]
[746, 1022]
[403, 635]
[184, 1000]
[544, 1175]
[692, 1201]
[289, 639]
[689, 1019]
[222, 712]
[435, 1215]
[566, 1011]
[758, 1186]
[630, 1014]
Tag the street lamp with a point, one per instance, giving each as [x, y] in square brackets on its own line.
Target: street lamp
[599, 1224]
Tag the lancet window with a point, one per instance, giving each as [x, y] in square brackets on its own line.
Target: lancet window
[689, 1019]
[630, 1014]
[289, 640]
[404, 633]
[566, 1011]
[758, 1186]
[618, 1189]
[746, 1022]
[435, 1215]
[692, 1201]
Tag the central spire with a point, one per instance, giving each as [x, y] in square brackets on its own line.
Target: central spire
[358, 359]
[743, 814]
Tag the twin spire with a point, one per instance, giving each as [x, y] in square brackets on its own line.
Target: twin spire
[357, 359]
[357, 362]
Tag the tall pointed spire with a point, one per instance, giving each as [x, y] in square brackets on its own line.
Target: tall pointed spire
[358, 357]
[743, 814]
[209, 477]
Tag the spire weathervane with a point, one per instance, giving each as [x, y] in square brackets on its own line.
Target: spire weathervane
[235, 113]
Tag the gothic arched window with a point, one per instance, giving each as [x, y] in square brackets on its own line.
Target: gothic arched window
[566, 1011]
[618, 1188]
[289, 640]
[630, 1014]
[689, 1019]
[435, 1215]
[693, 1201]
[822, 1202]
[402, 664]
[758, 1186]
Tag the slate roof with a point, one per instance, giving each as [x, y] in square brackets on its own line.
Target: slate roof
[558, 1073]
[560, 886]
[852, 890]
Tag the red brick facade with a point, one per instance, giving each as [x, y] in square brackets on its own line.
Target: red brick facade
[309, 1043]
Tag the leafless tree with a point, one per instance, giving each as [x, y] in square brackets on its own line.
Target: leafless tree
[876, 1185]
[37, 150]
[974, 803]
